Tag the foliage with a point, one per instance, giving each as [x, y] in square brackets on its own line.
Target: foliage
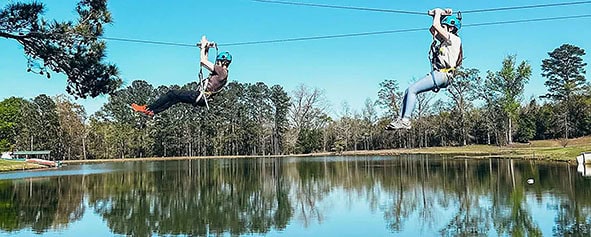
[505, 88]
[565, 73]
[68, 47]
[257, 119]
[526, 126]
[9, 119]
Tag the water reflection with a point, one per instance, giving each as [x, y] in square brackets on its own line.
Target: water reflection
[406, 195]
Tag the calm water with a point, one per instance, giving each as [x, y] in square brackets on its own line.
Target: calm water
[326, 196]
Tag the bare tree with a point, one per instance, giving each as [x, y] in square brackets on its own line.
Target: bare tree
[461, 91]
[307, 116]
[308, 105]
[423, 109]
[370, 118]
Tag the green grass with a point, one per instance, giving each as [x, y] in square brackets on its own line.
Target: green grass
[545, 149]
[551, 150]
[7, 165]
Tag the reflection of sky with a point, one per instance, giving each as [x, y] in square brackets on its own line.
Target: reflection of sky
[90, 225]
[63, 171]
[344, 211]
[540, 211]
[350, 215]
[86, 169]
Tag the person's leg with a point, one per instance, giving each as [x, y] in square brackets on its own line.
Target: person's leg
[173, 97]
[424, 84]
[410, 98]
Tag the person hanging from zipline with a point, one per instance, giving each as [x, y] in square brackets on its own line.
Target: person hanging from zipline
[445, 56]
[208, 87]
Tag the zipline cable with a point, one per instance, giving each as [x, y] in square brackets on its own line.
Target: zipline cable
[527, 20]
[340, 7]
[148, 42]
[339, 35]
[323, 37]
[399, 31]
[416, 12]
[527, 7]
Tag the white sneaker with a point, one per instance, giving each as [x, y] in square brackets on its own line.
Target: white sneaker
[399, 124]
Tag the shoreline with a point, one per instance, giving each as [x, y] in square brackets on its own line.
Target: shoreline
[456, 152]
[545, 150]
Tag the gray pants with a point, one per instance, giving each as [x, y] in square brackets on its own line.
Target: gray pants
[424, 84]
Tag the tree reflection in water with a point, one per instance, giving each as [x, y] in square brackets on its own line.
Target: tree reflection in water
[199, 197]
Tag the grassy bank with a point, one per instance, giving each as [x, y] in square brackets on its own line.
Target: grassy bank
[7, 165]
[552, 150]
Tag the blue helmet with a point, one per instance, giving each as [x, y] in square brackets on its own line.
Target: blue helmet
[224, 56]
[452, 21]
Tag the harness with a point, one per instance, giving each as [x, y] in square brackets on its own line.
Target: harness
[434, 51]
[203, 83]
[435, 65]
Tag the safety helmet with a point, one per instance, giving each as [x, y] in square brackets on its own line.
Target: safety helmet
[224, 56]
[452, 21]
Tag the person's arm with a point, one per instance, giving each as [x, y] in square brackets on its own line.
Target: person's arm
[204, 53]
[436, 28]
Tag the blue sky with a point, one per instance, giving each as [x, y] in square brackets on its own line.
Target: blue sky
[347, 69]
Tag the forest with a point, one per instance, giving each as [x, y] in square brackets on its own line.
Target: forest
[481, 106]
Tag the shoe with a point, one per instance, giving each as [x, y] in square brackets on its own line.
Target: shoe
[142, 109]
[399, 124]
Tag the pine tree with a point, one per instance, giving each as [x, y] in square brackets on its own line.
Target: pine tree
[565, 73]
[281, 103]
[68, 47]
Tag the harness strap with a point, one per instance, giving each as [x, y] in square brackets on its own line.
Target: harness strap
[448, 70]
[431, 58]
[203, 83]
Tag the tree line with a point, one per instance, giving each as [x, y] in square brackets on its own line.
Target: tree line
[257, 119]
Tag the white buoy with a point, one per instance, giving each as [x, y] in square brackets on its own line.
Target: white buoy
[530, 181]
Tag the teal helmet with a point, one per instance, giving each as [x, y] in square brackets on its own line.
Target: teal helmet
[224, 56]
[452, 21]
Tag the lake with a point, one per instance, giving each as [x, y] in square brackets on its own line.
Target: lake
[410, 195]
